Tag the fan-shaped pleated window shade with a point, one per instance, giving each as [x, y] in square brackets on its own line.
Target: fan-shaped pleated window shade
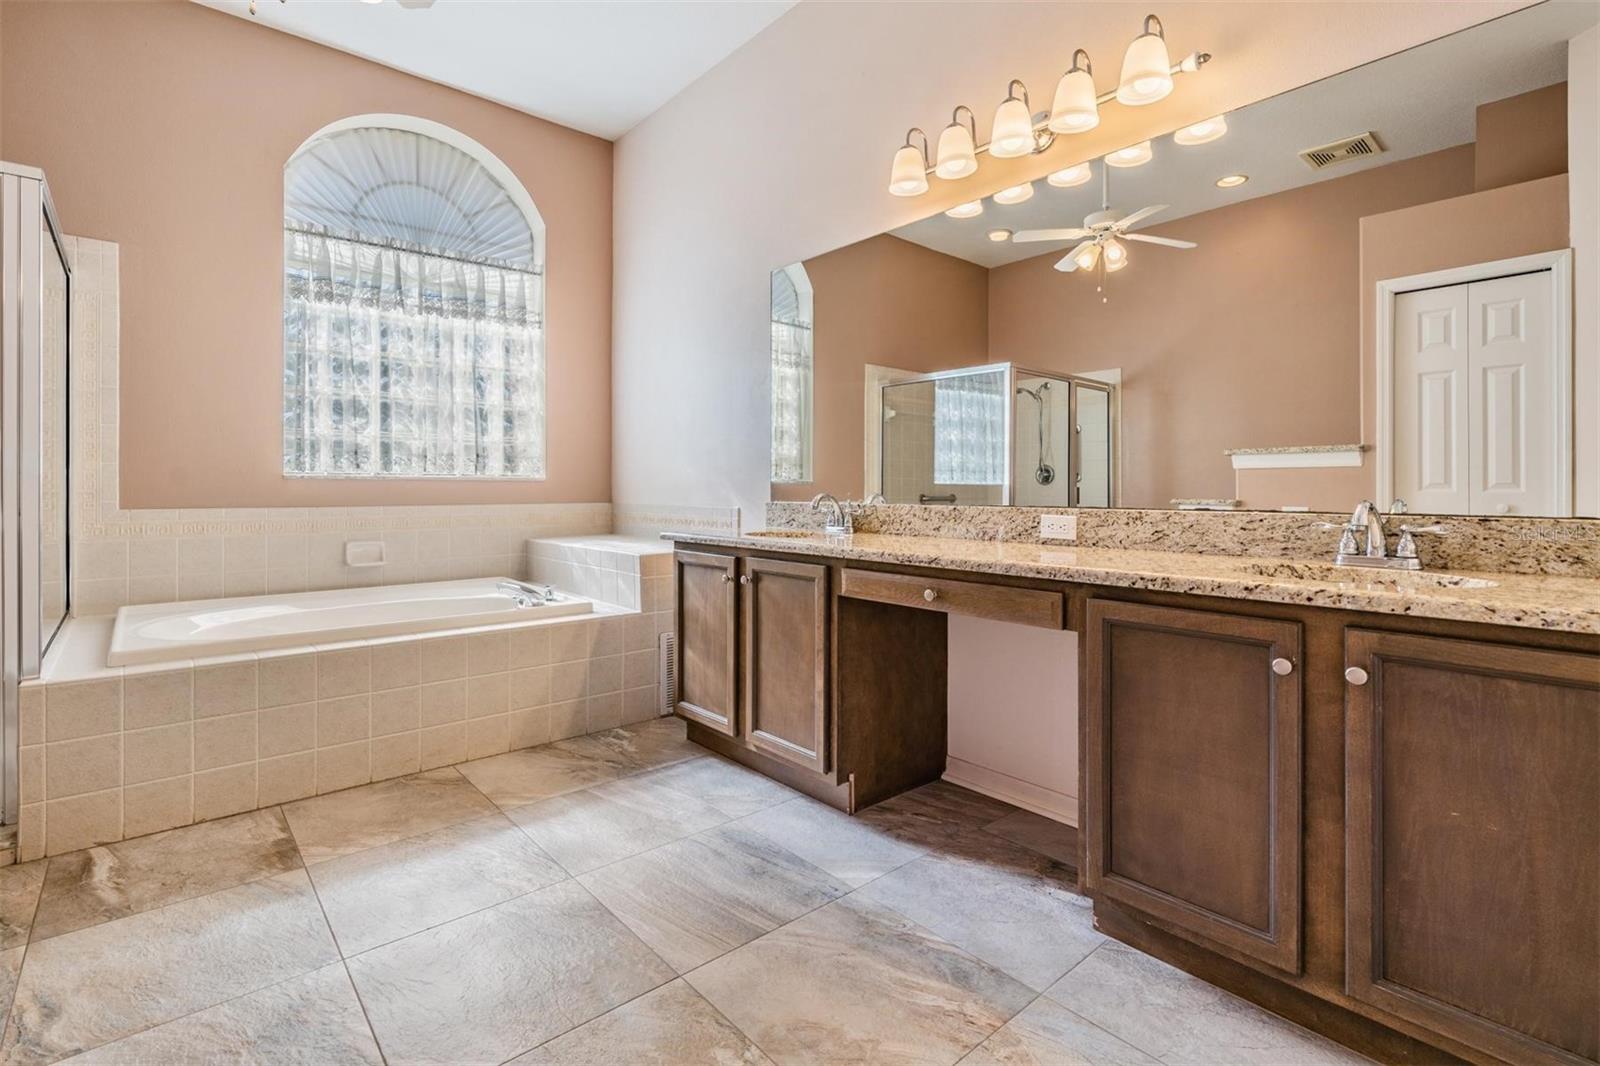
[413, 312]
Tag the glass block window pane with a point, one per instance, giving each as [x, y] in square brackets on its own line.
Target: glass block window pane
[413, 314]
[791, 374]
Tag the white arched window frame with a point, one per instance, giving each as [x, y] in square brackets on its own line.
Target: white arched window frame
[413, 307]
[792, 373]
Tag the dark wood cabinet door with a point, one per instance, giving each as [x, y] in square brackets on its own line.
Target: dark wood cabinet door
[1472, 792]
[1192, 733]
[708, 639]
[785, 609]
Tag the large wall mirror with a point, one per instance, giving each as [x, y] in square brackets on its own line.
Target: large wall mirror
[1369, 287]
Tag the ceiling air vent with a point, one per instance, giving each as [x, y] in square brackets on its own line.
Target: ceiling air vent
[1357, 147]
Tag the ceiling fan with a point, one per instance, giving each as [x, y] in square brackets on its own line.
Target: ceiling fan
[1098, 236]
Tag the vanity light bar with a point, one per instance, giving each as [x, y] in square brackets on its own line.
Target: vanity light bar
[1147, 76]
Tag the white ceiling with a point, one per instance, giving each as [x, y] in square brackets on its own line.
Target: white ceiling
[595, 65]
[1418, 101]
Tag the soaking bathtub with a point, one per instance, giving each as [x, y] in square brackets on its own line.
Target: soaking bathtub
[196, 629]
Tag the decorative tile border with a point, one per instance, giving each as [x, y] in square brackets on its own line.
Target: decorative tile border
[154, 556]
[651, 520]
[1566, 546]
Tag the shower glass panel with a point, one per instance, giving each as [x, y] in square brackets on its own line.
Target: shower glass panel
[945, 437]
[1042, 463]
[1096, 475]
[53, 442]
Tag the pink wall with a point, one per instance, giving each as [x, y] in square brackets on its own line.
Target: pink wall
[889, 302]
[1522, 138]
[1250, 340]
[164, 127]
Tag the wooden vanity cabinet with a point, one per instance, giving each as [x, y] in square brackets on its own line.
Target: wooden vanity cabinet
[708, 639]
[1472, 785]
[785, 638]
[1192, 779]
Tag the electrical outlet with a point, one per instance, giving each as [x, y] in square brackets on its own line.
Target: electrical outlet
[1058, 527]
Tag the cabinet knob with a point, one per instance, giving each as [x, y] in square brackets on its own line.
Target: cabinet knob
[1282, 667]
[744, 579]
[726, 578]
[1355, 675]
[929, 595]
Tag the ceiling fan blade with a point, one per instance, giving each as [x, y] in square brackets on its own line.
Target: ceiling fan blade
[1170, 242]
[415, 5]
[1068, 263]
[1129, 221]
[1026, 235]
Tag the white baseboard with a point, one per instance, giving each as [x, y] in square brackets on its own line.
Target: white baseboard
[1046, 802]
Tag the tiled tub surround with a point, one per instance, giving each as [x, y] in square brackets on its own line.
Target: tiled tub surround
[610, 568]
[1564, 546]
[149, 556]
[109, 753]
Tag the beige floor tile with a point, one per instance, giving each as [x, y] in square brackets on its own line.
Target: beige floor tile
[1013, 908]
[639, 747]
[19, 900]
[499, 982]
[857, 982]
[698, 898]
[312, 1021]
[1038, 833]
[163, 964]
[1048, 1034]
[852, 850]
[10, 970]
[725, 785]
[1181, 1019]
[359, 818]
[668, 1027]
[589, 829]
[85, 888]
[389, 892]
[532, 774]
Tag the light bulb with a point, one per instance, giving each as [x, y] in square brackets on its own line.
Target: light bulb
[971, 209]
[1146, 67]
[1202, 132]
[999, 236]
[1076, 174]
[1132, 156]
[957, 154]
[1086, 259]
[1116, 254]
[908, 176]
[1075, 108]
[1012, 135]
[1232, 181]
[1014, 195]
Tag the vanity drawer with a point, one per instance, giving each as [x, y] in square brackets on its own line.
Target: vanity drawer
[1029, 607]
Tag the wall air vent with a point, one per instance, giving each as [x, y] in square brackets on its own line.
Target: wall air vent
[667, 672]
[1357, 147]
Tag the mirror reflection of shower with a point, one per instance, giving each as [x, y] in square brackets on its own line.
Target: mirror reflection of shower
[1044, 472]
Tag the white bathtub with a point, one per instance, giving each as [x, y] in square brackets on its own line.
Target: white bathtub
[164, 632]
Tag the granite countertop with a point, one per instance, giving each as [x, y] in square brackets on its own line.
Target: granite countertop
[1570, 604]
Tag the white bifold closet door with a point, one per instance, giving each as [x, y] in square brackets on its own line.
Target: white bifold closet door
[1475, 393]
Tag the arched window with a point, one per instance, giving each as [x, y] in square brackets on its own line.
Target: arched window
[791, 374]
[413, 307]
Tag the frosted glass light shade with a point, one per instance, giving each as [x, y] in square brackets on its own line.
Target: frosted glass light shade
[999, 235]
[1116, 255]
[958, 156]
[971, 209]
[1015, 194]
[1135, 155]
[1013, 130]
[1146, 71]
[908, 176]
[1076, 174]
[1202, 132]
[1075, 108]
[1086, 259]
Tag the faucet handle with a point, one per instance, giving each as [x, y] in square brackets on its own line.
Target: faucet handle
[1407, 547]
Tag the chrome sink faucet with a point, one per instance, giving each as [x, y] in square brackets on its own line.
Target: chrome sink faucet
[839, 518]
[1372, 547]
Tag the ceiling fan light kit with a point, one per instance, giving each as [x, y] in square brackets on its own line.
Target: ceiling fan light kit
[1135, 155]
[1147, 76]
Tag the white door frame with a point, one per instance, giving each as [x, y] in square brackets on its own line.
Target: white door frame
[1559, 264]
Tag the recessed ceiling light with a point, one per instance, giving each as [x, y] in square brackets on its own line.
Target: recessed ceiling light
[971, 209]
[999, 235]
[1232, 181]
[1202, 132]
[1073, 175]
[1132, 156]
[1014, 195]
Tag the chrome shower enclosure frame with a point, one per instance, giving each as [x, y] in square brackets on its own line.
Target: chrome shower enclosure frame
[29, 232]
[1012, 374]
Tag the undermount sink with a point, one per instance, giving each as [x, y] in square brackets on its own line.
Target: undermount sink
[1356, 575]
